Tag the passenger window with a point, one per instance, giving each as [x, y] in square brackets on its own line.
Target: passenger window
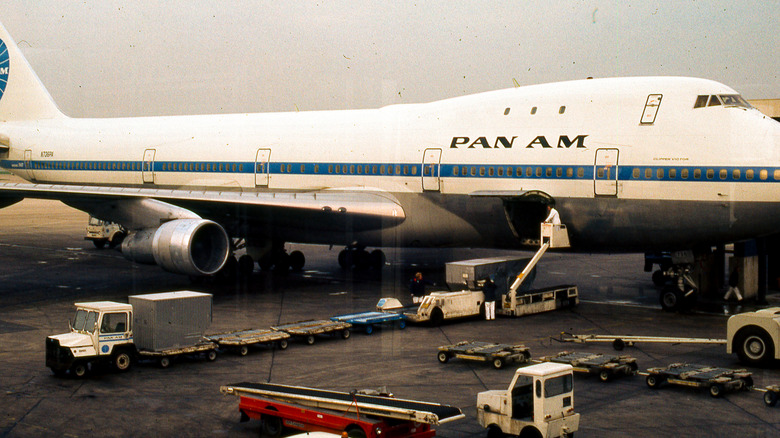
[528, 172]
[777, 175]
[562, 109]
[289, 168]
[569, 172]
[506, 112]
[533, 110]
[509, 171]
[558, 172]
[697, 174]
[600, 172]
[648, 173]
[710, 173]
[373, 169]
[455, 170]
[548, 172]
[397, 169]
[659, 173]
[473, 171]
[635, 173]
[735, 174]
[481, 171]
[406, 170]
[414, 170]
[491, 171]
[724, 173]
[500, 171]
[580, 172]
[672, 173]
[538, 171]
[382, 169]
[762, 175]
[684, 174]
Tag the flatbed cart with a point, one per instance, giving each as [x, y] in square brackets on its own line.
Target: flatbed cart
[307, 330]
[241, 340]
[717, 380]
[359, 415]
[606, 367]
[368, 321]
[164, 356]
[619, 342]
[497, 354]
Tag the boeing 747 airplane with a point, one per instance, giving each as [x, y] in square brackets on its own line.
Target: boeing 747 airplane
[630, 163]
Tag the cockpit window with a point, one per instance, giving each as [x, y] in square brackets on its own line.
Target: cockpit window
[714, 101]
[732, 100]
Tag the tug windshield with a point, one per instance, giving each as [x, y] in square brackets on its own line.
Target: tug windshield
[84, 321]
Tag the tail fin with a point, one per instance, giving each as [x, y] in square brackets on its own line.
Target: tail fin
[22, 95]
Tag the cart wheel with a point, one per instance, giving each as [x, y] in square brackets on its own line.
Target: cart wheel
[498, 363]
[211, 355]
[243, 350]
[618, 344]
[283, 344]
[79, 369]
[346, 333]
[653, 381]
[165, 362]
[401, 324]
[443, 357]
[716, 390]
[271, 426]
[355, 432]
[369, 329]
[604, 376]
[770, 398]
[310, 339]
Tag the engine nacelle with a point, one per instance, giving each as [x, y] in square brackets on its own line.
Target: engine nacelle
[183, 246]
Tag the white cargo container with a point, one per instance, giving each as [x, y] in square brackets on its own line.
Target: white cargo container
[170, 319]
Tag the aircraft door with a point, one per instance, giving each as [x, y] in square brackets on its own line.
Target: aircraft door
[262, 167]
[605, 172]
[28, 165]
[147, 167]
[431, 169]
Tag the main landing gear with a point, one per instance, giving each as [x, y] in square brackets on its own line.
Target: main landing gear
[356, 257]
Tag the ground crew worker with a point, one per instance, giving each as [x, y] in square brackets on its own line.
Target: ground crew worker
[417, 287]
[552, 216]
[489, 289]
[733, 289]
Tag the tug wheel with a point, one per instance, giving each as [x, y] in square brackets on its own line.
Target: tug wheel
[443, 357]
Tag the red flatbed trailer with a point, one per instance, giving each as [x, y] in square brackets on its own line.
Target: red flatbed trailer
[309, 409]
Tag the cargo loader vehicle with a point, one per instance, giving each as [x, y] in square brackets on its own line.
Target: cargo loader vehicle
[356, 414]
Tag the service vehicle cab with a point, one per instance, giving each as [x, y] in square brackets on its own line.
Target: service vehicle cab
[538, 403]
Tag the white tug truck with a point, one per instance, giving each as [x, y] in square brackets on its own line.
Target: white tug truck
[538, 403]
[157, 326]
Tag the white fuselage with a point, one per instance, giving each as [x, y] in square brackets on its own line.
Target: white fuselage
[624, 171]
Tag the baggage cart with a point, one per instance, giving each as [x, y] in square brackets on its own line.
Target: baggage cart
[497, 354]
[368, 321]
[308, 330]
[242, 340]
[606, 367]
[164, 357]
[717, 380]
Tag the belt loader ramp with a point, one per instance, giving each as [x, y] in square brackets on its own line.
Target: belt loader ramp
[359, 415]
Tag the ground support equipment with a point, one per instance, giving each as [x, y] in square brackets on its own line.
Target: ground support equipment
[717, 380]
[497, 354]
[307, 330]
[360, 415]
[606, 367]
[241, 340]
[368, 321]
[163, 357]
[771, 395]
[619, 342]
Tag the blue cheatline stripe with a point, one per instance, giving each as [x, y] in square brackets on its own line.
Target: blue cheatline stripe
[444, 170]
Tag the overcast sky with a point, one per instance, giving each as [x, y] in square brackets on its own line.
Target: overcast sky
[126, 58]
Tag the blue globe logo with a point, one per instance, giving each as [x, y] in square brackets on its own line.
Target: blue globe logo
[4, 62]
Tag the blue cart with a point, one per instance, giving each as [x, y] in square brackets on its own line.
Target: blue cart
[371, 320]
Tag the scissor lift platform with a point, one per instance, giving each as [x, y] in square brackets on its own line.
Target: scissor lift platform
[717, 380]
[309, 329]
[606, 367]
[368, 321]
[497, 354]
[241, 340]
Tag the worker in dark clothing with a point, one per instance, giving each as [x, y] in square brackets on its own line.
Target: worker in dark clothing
[417, 287]
[733, 289]
[489, 289]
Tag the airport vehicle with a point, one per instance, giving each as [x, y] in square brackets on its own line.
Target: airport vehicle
[242, 340]
[102, 232]
[538, 402]
[606, 367]
[717, 380]
[368, 321]
[309, 330]
[608, 152]
[153, 326]
[497, 354]
[753, 336]
[360, 415]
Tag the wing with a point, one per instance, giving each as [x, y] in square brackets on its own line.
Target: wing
[360, 209]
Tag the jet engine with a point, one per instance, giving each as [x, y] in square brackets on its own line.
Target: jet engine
[183, 246]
